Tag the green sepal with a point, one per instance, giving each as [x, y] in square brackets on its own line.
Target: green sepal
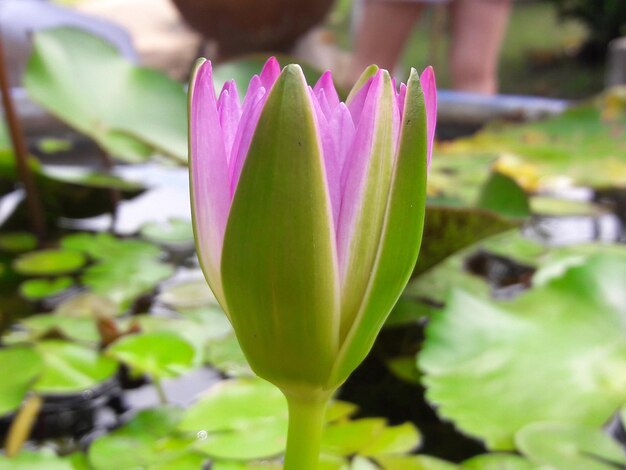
[401, 238]
[278, 262]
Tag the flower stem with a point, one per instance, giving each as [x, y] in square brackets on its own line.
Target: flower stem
[306, 423]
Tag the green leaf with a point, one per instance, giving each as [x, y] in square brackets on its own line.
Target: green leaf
[161, 354]
[225, 355]
[87, 305]
[20, 366]
[542, 155]
[49, 262]
[122, 282]
[242, 419]
[17, 242]
[484, 360]
[450, 229]
[75, 328]
[498, 462]
[106, 247]
[414, 462]
[352, 437]
[279, 239]
[570, 447]
[188, 295]
[37, 289]
[173, 232]
[148, 442]
[502, 195]
[42, 460]
[129, 111]
[71, 368]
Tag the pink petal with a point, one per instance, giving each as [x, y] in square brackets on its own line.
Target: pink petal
[343, 134]
[325, 84]
[320, 97]
[229, 110]
[209, 174]
[429, 88]
[270, 73]
[355, 105]
[331, 161]
[355, 168]
[401, 98]
[252, 107]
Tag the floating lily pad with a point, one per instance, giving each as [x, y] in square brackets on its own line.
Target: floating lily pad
[53, 145]
[498, 461]
[37, 289]
[172, 232]
[197, 328]
[484, 359]
[148, 442]
[188, 295]
[87, 305]
[129, 111]
[123, 282]
[19, 366]
[414, 462]
[584, 146]
[17, 242]
[49, 262]
[41, 460]
[104, 246]
[450, 229]
[71, 368]
[501, 194]
[226, 355]
[242, 419]
[75, 328]
[160, 354]
[570, 447]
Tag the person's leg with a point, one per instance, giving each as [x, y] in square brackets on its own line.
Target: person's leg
[383, 30]
[478, 28]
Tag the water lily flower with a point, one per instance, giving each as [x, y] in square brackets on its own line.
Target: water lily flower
[308, 216]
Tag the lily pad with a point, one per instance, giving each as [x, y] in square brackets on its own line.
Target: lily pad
[22, 365]
[41, 460]
[49, 262]
[129, 111]
[584, 146]
[414, 462]
[37, 289]
[241, 419]
[123, 282]
[484, 359]
[104, 246]
[42, 325]
[17, 242]
[502, 194]
[570, 447]
[226, 355]
[188, 295]
[173, 232]
[498, 461]
[160, 354]
[450, 229]
[87, 305]
[71, 368]
[148, 442]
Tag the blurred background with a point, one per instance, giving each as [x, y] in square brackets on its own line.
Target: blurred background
[507, 349]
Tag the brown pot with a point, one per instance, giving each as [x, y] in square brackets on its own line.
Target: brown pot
[242, 26]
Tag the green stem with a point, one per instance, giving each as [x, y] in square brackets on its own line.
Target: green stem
[160, 390]
[306, 423]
